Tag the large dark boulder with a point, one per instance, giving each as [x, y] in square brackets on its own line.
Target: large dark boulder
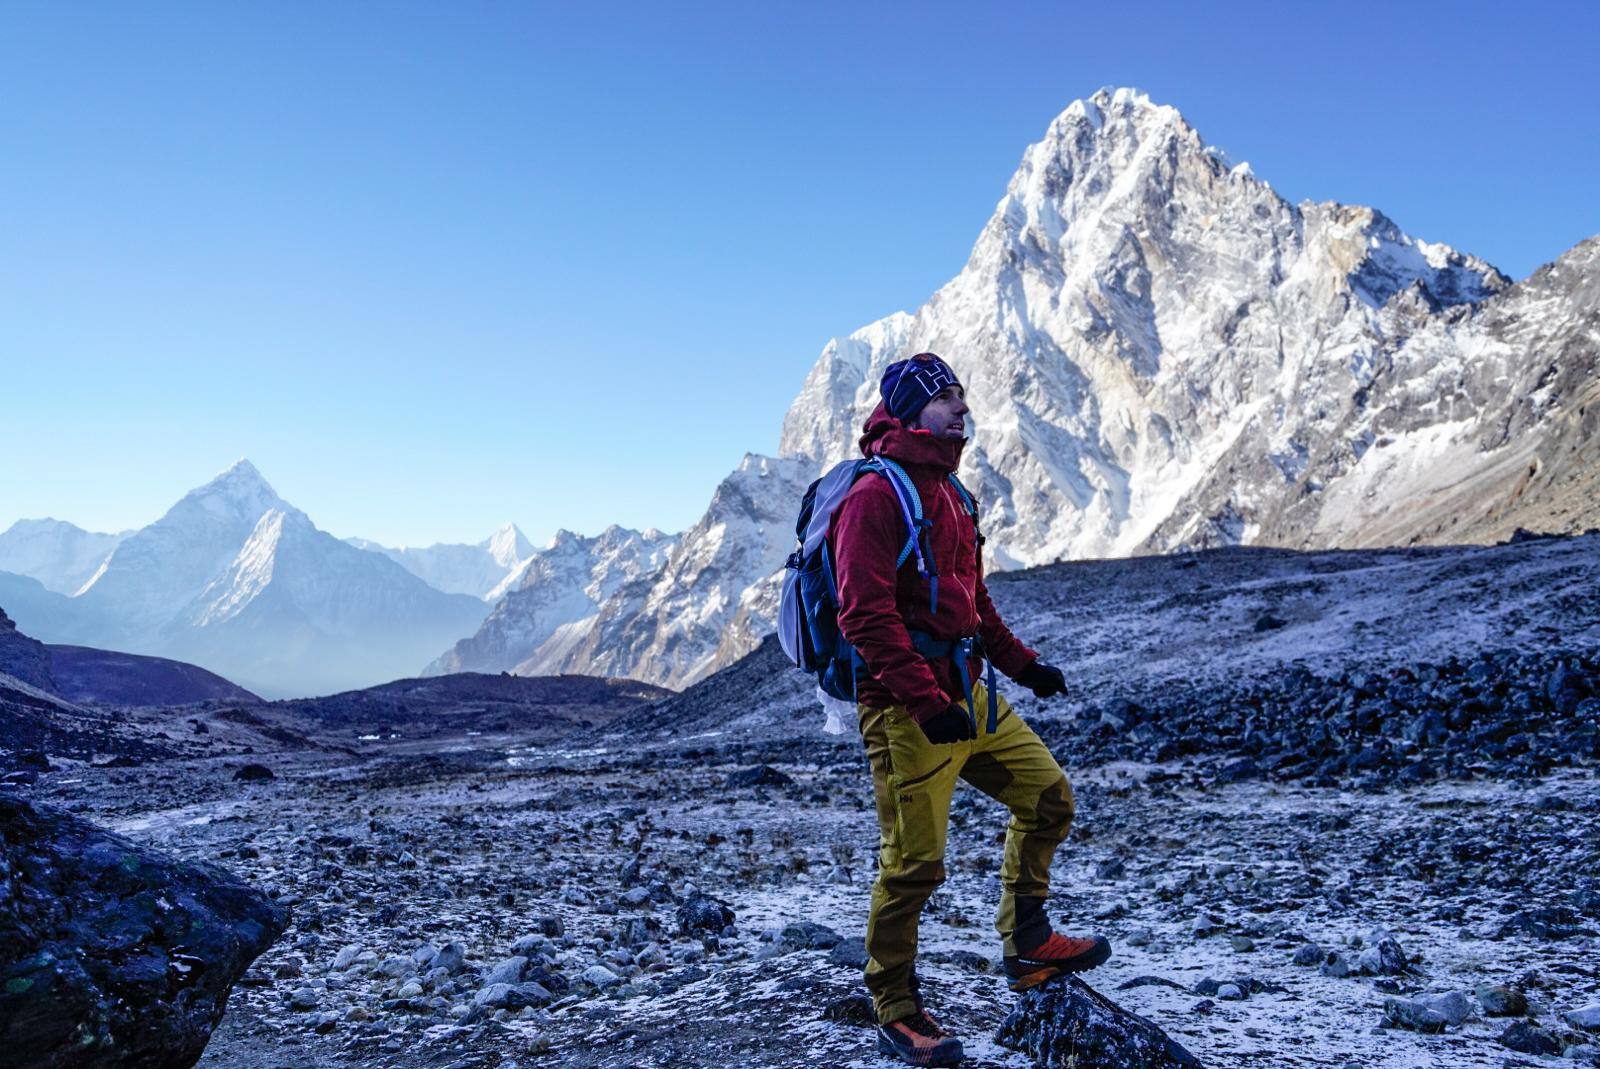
[1066, 1023]
[112, 954]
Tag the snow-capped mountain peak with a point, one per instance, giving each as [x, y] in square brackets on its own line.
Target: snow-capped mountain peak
[1160, 351]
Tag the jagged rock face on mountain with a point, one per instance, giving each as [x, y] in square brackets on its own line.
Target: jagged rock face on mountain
[561, 590]
[61, 556]
[1156, 345]
[700, 609]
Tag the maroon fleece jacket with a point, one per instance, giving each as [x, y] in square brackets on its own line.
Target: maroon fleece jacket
[878, 605]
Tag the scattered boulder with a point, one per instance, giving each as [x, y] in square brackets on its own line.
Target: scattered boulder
[1413, 1015]
[1587, 1019]
[1066, 1023]
[1526, 1038]
[759, 776]
[851, 1009]
[702, 913]
[1498, 1000]
[252, 773]
[1383, 958]
[1455, 1007]
[114, 953]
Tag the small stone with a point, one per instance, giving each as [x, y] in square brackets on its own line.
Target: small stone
[1242, 944]
[1498, 1000]
[253, 773]
[1455, 1007]
[303, 999]
[508, 971]
[409, 989]
[1526, 1038]
[851, 1009]
[702, 913]
[1587, 1019]
[1230, 993]
[494, 996]
[1139, 937]
[1309, 954]
[1408, 1013]
[851, 954]
[601, 978]
[451, 956]
[1335, 965]
[1383, 958]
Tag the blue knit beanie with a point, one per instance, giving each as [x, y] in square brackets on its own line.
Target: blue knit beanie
[908, 385]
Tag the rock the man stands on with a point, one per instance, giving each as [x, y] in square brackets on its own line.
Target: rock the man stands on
[926, 722]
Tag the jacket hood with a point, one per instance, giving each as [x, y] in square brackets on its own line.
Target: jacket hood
[883, 435]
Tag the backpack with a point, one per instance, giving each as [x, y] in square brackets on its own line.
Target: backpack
[808, 610]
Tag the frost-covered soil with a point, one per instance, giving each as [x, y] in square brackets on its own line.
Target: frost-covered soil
[1447, 794]
[395, 853]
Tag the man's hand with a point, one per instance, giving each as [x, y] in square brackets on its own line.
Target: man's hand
[952, 725]
[1043, 679]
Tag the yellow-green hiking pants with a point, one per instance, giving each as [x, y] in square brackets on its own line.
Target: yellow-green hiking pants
[913, 780]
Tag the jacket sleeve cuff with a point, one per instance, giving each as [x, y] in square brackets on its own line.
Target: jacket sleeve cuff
[1015, 661]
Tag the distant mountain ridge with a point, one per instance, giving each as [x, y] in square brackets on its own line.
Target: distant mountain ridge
[485, 569]
[235, 579]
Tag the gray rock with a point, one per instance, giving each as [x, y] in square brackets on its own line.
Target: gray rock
[1455, 1007]
[451, 956]
[550, 926]
[851, 954]
[346, 958]
[1384, 958]
[1242, 944]
[851, 1009]
[1310, 954]
[1587, 1019]
[508, 971]
[1408, 1013]
[1335, 965]
[1230, 993]
[304, 999]
[1526, 1038]
[808, 935]
[1498, 1000]
[601, 978]
[1065, 1023]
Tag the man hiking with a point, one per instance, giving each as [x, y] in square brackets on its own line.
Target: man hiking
[926, 718]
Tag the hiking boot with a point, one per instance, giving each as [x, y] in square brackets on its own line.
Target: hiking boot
[1056, 955]
[918, 1040]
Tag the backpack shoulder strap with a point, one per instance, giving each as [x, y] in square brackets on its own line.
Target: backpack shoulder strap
[905, 491]
[970, 503]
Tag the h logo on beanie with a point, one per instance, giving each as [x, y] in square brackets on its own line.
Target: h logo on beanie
[908, 385]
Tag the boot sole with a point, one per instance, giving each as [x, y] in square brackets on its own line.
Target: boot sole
[1092, 959]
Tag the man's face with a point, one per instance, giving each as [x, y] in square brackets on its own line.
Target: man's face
[945, 415]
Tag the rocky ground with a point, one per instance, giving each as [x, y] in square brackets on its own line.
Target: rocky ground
[1384, 852]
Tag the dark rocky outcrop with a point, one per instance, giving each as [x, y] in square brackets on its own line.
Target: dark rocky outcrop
[24, 658]
[1068, 1024]
[110, 953]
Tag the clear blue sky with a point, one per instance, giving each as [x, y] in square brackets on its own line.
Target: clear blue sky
[434, 267]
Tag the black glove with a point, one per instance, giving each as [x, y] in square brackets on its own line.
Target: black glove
[952, 725]
[1043, 679]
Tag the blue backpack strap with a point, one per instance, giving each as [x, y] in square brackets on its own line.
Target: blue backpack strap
[905, 491]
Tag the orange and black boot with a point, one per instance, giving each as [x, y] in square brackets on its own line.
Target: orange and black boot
[1056, 955]
[919, 1040]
